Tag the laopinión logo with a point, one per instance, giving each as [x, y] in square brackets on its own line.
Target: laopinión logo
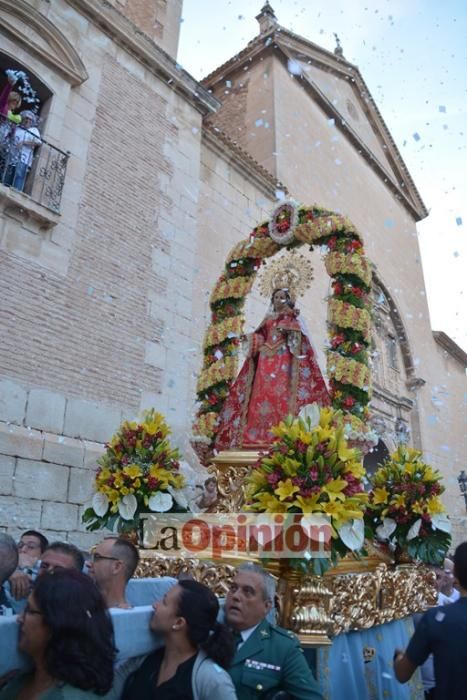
[230, 535]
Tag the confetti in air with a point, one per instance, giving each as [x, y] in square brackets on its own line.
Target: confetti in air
[294, 67]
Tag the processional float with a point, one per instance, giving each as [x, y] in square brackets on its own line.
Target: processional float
[308, 465]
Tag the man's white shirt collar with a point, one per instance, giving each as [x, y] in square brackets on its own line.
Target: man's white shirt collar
[246, 634]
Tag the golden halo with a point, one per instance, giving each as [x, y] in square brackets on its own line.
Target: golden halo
[293, 272]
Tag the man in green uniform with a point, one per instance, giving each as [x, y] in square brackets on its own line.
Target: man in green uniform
[268, 658]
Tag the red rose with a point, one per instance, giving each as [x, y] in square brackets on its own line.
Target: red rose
[348, 402]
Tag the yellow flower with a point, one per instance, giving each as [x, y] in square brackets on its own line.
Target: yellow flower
[430, 475]
[285, 489]
[334, 509]
[133, 470]
[410, 468]
[178, 481]
[104, 475]
[398, 500]
[308, 504]
[334, 489]
[305, 437]
[325, 417]
[151, 427]
[118, 480]
[434, 505]
[257, 479]
[356, 469]
[380, 496]
[345, 453]
[269, 503]
[418, 507]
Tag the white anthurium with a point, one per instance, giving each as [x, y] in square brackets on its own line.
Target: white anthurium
[414, 530]
[310, 414]
[312, 524]
[100, 504]
[352, 533]
[440, 521]
[385, 530]
[160, 502]
[127, 506]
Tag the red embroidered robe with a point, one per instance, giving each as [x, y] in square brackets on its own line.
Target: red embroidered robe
[279, 377]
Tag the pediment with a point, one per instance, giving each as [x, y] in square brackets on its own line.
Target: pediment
[38, 35]
[339, 89]
[342, 91]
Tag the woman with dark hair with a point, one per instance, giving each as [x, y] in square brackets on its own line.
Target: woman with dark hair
[196, 650]
[66, 630]
[279, 377]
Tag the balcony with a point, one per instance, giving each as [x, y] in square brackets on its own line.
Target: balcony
[42, 179]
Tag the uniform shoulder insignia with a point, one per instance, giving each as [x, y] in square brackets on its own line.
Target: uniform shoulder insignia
[286, 633]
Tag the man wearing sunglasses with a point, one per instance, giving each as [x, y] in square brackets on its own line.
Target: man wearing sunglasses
[112, 563]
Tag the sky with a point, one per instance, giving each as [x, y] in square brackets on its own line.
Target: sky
[412, 55]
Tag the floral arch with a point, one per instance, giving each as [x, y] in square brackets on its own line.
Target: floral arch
[349, 318]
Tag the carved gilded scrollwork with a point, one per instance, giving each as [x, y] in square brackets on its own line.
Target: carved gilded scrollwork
[231, 468]
[229, 485]
[216, 575]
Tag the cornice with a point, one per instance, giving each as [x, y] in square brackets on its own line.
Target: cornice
[142, 47]
[450, 347]
[389, 397]
[242, 160]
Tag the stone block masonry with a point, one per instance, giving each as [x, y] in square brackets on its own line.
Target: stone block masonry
[46, 478]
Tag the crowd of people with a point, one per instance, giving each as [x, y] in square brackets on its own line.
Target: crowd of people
[63, 599]
[19, 137]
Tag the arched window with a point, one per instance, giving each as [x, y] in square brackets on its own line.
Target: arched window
[29, 163]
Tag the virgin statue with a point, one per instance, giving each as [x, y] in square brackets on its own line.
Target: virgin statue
[279, 376]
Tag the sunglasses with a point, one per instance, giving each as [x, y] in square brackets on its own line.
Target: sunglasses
[95, 556]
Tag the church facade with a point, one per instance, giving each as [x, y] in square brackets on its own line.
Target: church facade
[106, 275]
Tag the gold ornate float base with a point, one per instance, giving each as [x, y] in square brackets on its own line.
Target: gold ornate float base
[356, 594]
[315, 607]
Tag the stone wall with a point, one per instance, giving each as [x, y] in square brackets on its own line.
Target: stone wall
[114, 322]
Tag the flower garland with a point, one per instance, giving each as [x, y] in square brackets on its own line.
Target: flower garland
[137, 474]
[405, 507]
[349, 310]
[310, 469]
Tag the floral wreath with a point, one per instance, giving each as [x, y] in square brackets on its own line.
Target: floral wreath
[349, 312]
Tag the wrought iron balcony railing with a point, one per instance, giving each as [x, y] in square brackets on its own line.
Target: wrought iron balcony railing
[44, 177]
